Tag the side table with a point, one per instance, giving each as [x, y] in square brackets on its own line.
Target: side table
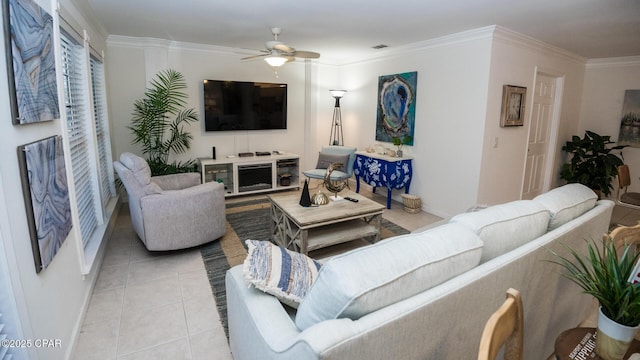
[381, 170]
[580, 343]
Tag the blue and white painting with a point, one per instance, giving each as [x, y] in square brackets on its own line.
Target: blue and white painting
[48, 199]
[396, 112]
[34, 71]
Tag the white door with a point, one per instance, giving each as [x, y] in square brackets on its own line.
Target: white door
[536, 167]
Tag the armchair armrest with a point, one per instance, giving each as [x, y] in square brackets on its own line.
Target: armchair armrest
[177, 219]
[177, 181]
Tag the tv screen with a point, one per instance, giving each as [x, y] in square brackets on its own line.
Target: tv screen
[239, 105]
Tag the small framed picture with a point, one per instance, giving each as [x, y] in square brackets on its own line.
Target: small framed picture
[513, 101]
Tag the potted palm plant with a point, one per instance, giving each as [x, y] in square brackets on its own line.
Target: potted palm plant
[606, 276]
[592, 163]
[159, 123]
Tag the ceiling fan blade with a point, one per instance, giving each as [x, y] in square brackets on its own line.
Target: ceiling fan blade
[306, 54]
[254, 56]
[284, 48]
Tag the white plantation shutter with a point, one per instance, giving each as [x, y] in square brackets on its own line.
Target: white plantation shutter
[79, 131]
[107, 189]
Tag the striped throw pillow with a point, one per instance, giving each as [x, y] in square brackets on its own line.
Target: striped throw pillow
[285, 274]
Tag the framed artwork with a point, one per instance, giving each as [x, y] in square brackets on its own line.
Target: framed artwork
[31, 71]
[630, 121]
[396, 113]
[513, 104]
[46, 197]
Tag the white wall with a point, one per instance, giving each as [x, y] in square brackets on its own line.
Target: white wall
[132, 62]
[459, 93]
[50, 303]
[604, 85]
[450, 110]
[514, 61]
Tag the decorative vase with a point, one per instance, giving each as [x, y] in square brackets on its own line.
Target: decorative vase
[613, 339]
[399, 153]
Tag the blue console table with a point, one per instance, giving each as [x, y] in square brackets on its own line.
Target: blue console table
[381, 170]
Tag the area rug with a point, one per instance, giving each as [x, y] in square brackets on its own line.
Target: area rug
[247, 220]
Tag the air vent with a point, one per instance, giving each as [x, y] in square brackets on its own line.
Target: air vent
[381, 46]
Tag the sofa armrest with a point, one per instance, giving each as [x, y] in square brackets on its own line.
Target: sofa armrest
[177, 181]
[261, 328]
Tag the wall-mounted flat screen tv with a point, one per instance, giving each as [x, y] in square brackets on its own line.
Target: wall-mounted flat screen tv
[241, 105]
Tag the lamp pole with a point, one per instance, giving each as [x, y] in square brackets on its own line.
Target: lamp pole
[337, 138]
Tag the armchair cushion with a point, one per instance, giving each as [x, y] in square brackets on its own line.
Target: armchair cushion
[324, 160]
[138, 166]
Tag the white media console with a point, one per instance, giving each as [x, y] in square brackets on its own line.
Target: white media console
[252, 174]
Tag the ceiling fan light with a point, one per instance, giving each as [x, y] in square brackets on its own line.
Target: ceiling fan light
[275, 60]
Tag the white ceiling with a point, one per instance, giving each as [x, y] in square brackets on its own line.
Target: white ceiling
[347, 29]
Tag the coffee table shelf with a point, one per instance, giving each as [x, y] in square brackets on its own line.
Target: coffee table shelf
[321, 237]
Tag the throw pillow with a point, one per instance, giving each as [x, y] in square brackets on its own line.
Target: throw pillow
[324, 160]
[285, 274]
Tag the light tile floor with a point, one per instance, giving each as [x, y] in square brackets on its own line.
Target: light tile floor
[160, 306]
[148, 305]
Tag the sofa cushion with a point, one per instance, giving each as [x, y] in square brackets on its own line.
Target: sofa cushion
[566, 203]
[366, 279]
[277, 271]
[324, 160]
[505, 227]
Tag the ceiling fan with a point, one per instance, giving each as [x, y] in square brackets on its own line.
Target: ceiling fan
[278, 53]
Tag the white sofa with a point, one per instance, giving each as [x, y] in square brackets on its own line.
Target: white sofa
[381, 302]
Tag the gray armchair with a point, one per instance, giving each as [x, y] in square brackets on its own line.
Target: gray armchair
[171, 212]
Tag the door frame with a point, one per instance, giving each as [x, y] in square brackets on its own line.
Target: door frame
[554, 126]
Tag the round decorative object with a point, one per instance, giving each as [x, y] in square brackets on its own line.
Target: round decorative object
[335, 186]
[320, 198]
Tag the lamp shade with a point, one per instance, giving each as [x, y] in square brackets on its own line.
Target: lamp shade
[337, 93]
[275, 60]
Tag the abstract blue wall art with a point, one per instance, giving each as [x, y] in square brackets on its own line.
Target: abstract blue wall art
[630, 122]
[31, 71]
[396, 111]
[44, 184]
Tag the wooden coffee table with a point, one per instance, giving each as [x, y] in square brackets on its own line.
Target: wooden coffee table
[304, 229]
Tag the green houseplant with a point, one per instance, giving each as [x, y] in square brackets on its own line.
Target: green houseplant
[158, 123]
[400, 142]
[605, 275]
[592, 163]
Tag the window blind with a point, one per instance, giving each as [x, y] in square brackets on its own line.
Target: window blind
[78, 127]
[103, 143]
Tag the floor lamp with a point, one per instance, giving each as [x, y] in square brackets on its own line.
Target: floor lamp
[336, 127]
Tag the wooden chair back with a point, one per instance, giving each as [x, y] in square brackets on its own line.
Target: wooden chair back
[504, 327]
[624, 235]
[624, 178]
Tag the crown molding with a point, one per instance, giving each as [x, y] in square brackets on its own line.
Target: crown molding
[516, 39]
[613, 62]
[138, 42]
